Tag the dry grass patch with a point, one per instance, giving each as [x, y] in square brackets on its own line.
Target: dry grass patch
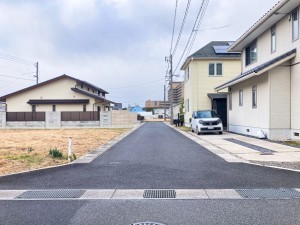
[22, 150]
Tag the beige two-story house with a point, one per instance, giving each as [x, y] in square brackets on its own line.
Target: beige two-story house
[63, 93]
[205, 69]
[264, 99]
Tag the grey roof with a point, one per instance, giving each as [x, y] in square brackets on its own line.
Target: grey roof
[208, 51]
[258, 68]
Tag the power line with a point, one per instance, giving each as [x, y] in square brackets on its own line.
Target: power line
[182, 25]
[139, 84]
[15, 59]
[195, 27]
[214, 28]
[15, 77]
[174, 26]
[196, 31]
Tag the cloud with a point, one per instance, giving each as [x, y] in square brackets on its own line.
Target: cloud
[112, 43]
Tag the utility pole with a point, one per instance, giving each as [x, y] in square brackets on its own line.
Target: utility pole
[37, 72]
[171, 88]
[165, 103]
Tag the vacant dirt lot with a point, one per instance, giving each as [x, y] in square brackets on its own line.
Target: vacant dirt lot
[22, 150]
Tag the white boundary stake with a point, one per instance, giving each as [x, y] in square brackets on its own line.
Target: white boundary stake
[70, 149]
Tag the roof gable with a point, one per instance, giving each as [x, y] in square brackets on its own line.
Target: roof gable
[211, 51]
[64, 76]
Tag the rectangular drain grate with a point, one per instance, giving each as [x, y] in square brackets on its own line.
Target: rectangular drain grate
[268, 193]
[48, 194]
[159, 194]
[247, 145]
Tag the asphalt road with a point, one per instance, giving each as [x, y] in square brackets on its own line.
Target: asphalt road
[126, 212]
[154, 157]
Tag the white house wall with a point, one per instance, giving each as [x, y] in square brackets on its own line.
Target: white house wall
[284, 88]
[245, 119]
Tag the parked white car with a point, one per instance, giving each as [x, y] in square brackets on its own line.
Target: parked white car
[206, 121]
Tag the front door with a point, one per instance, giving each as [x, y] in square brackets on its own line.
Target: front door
[220, 106]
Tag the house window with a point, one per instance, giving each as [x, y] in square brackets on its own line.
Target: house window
[219, 69]
[273, 39]
[53, 108]
[241, 98]
[215, 69]
[251, 53]
[230, 100]
[295, 20]
[33, 108]
[81, 86]
[84, 108]
[211, 69]
[254, 96]
[93, 91]
[88, 89]
[99, 93]
[187, 73]
[98, 108]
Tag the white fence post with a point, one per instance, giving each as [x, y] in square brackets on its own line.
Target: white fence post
[70, 149]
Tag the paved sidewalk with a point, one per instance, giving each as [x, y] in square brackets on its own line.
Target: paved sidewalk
[252, 150]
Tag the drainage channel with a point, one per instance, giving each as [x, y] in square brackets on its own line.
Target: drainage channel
[159, 194]
[262, 150]
[269, 193]
[51, 194]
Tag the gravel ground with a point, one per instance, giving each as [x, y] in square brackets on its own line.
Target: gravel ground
[289, 165]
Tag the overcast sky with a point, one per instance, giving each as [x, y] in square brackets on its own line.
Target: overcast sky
[118, 45]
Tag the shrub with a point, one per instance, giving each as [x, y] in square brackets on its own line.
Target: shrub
[55, 153]
[29, 149]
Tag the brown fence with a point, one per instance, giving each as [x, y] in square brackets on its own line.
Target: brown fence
[25, 116]
[80, 116]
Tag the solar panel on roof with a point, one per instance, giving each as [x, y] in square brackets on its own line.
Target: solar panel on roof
[221, 49]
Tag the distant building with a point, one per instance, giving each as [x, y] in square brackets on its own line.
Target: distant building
[117, 106]
[178, 92]
[155, 104]
[136, 109]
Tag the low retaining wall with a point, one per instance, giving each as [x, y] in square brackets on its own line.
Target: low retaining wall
[110, 119]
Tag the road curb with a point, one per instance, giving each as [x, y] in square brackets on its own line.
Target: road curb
[139, 194]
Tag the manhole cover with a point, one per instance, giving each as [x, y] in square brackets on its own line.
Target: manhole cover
[51, 194]
[268, 193]
[159, 194]
[147, 223]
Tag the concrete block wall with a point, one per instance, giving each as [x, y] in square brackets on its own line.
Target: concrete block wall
[105, 119]
[53, 119]
[123, 118]
[109, 119]
[2, 119]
